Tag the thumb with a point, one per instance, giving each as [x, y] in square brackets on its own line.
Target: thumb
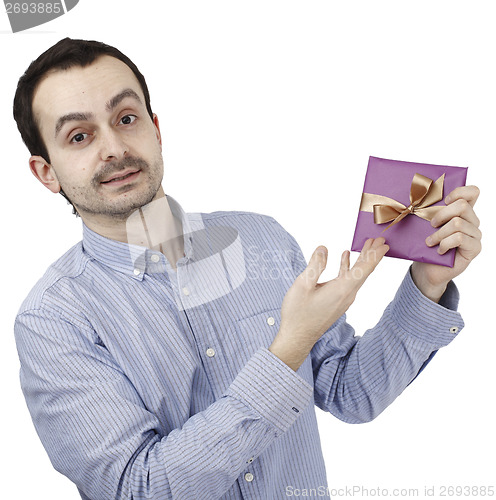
[316, 266]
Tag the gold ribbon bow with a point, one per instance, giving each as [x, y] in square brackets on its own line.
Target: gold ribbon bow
[424, 192]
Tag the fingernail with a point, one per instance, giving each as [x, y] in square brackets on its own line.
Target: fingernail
[447, 200]
[429, 241]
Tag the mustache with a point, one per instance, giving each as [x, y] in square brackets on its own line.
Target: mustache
[115, 167]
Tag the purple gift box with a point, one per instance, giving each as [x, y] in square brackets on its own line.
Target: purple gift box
[408, 193]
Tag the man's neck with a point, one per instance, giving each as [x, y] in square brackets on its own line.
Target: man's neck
[152, 226]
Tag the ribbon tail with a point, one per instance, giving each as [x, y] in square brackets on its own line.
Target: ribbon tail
[398, 219]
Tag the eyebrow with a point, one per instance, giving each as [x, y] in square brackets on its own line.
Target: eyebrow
[70, 117]
[109, 106]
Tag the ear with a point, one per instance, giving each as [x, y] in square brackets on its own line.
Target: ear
[45, 173]
[157, 128]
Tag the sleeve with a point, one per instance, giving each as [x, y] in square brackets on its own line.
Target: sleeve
[357, 377]
[98, 432]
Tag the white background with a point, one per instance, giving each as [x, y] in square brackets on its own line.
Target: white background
[274, 107]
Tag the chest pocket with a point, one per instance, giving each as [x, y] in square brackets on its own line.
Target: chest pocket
[259, 331]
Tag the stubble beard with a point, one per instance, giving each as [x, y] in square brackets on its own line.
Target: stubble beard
[92, 201]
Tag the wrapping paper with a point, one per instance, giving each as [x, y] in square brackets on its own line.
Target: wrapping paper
[406, 236]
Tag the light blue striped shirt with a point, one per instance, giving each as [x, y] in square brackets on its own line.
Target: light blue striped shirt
[148, 383]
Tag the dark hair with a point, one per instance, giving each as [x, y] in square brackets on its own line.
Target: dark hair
[64, 55]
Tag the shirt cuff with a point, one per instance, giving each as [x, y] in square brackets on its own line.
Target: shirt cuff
[272, 389]
[450, 297]
[423, 319]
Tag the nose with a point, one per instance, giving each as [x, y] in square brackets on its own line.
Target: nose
[112, 146]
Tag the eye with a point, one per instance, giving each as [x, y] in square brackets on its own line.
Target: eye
[127, 119]
[80, 137]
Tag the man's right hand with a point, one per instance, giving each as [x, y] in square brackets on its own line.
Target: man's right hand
[310, 308]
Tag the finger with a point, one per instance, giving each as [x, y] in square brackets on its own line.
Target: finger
[345, 263]
[469, 193]
[370, 248]
[316, 266]
[467, 246]
[371, 244]
[455, 225]
[369, 258]
[459, 208]
[378, 242]
[366, 247]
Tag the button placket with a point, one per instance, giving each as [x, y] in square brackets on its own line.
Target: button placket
[183, 280]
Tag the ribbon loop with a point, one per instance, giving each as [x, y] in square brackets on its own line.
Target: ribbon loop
[423, 193]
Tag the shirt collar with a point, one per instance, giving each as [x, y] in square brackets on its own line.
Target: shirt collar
[134, 260]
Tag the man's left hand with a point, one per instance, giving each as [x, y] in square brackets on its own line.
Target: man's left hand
[459, 228]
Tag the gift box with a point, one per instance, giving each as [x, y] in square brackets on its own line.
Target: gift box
[399, 200]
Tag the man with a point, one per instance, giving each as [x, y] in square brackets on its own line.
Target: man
[174, 355]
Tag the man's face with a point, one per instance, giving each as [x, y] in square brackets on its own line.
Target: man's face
[105, 150]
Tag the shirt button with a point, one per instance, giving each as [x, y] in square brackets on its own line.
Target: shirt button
[249, 461]
[249, 477]
[210, 352]
[155, 258]
[454, 329]
[271, 321]
[136, 272]
[185, 291]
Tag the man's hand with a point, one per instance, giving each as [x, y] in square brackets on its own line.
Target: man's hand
[459, 228]
[310, 308]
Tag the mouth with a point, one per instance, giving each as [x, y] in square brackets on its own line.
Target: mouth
[117, 180]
